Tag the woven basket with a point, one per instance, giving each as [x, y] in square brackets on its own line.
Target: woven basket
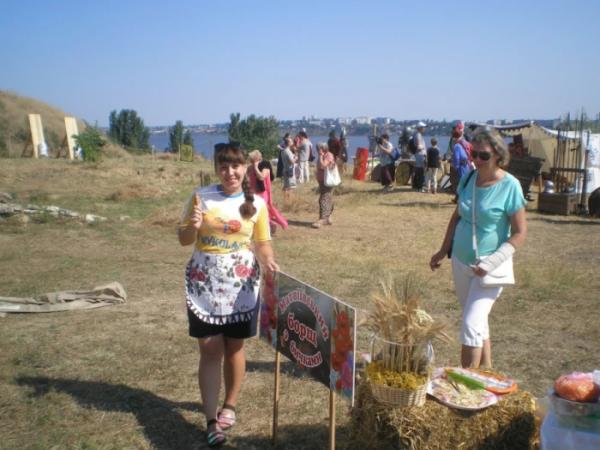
[399, 397]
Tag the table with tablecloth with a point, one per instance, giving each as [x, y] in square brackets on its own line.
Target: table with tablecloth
[557, 435]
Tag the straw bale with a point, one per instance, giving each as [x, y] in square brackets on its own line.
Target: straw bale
[508, 425]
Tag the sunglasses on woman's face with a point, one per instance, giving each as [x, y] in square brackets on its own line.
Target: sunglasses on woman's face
[484, 156]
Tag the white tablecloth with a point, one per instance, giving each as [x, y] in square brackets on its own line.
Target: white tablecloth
[554, 436]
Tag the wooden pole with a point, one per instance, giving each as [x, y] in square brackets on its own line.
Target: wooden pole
[555, 159]
[584, 199]
[276, 396]
[331, 420]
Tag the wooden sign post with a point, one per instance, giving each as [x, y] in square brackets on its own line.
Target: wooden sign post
[276, 396]
[331, 420]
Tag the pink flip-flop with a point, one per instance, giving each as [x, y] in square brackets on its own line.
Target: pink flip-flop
[226, 417]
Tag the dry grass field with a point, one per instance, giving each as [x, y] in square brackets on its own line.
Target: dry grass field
[123, 377]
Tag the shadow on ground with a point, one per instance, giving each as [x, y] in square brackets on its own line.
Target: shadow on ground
[163, 426]
[420, 205]
[287, 367]
[300, 223]
[297, 437]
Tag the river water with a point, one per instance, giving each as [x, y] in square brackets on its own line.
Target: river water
[204, 143]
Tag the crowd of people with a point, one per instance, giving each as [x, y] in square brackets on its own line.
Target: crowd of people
[230, 225]
[294, 167]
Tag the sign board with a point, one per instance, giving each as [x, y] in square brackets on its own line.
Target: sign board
[72, 130]
[37, 132]
[311, 328]
[186, 153]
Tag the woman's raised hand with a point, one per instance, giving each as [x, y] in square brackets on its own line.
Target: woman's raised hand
[196, 218]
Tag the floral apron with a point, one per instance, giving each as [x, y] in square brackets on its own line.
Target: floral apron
[222, 288]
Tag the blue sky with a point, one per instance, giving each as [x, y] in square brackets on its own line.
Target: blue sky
[198, 61]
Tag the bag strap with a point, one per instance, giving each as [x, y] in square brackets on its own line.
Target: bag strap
[473, 224]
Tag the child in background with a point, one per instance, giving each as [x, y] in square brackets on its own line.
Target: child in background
[433, 164]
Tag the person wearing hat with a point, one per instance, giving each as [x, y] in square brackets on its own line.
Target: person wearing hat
[420, 157]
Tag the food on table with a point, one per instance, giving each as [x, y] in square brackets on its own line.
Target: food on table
[577, 387]
[482, 379]
[464, 379]
[458, 395]
[377, 373]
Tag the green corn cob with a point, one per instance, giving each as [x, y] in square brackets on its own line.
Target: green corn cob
[469, 382]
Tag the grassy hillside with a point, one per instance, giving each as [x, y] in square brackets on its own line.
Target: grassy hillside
[14, 124]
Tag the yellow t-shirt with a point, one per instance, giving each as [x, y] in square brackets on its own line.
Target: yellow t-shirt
[223, 229]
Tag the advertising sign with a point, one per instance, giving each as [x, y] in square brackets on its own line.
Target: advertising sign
[311, 328]
[186, 153]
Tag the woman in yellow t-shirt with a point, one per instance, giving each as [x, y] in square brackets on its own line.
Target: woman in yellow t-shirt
[229, 228]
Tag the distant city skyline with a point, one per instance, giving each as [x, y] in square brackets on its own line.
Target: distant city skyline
[346, 121]
[198, 62]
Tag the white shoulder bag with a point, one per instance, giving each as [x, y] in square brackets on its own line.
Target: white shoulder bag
[332, 176]
[502, 275]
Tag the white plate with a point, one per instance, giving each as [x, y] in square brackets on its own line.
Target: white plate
[445, 393]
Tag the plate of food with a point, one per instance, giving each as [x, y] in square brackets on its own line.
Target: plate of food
[460, 396]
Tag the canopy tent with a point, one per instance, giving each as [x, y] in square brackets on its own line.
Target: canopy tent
[542, 142]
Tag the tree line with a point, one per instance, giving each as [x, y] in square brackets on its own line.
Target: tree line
[127, 128]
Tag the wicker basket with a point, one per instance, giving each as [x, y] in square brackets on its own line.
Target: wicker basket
[399, 397]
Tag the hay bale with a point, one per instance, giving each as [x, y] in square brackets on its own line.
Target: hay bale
[508, 425]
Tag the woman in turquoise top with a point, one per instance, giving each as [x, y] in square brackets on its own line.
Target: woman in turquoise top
[501, 227]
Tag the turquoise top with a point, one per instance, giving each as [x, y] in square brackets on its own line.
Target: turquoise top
[495, 205]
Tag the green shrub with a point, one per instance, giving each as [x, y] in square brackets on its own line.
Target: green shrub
[128, 129]
[254, 132]
[91, 143]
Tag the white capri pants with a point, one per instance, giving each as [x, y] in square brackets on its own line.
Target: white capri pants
[431, 178]
[476, 302]
[304, 172]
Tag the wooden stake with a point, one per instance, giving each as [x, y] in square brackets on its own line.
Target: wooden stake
[276, 396]
[25, 152]
[331, 420]
[64, 145]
